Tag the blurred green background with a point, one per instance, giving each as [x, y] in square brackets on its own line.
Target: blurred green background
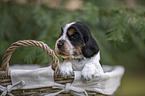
[117, 25]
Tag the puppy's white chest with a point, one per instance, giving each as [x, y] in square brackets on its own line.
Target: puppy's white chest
[78, 65]
[91, 63]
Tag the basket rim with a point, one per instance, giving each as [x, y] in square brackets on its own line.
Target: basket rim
[28, 43]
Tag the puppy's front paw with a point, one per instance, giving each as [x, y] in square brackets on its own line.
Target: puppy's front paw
[87, 74]
[66, 70]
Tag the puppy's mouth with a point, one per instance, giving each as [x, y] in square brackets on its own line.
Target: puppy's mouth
[66, 55]
[62, 53]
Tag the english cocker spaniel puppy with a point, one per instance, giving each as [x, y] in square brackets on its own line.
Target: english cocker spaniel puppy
[79, 50]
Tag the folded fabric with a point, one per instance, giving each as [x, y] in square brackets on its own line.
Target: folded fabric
[105, 83]
[41, 77]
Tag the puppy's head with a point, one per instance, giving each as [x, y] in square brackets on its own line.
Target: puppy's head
[76, 41]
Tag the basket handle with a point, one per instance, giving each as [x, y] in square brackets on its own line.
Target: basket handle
[29, 43]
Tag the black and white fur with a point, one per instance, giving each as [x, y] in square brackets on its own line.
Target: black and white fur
[79, 50]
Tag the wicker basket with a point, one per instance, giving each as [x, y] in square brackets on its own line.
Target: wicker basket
[5, 78]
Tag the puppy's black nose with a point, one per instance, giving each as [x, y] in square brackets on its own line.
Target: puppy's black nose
[60, 44]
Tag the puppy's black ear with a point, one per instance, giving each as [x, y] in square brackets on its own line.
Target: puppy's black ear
[91, 48]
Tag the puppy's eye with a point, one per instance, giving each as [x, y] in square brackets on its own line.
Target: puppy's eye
[75, 36]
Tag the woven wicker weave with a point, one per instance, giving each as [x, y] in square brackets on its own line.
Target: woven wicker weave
[6, 80]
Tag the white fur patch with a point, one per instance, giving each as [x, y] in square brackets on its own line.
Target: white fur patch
[64, 36]
[65, 28]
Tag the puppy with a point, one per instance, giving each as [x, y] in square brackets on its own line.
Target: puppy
[79, 50]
